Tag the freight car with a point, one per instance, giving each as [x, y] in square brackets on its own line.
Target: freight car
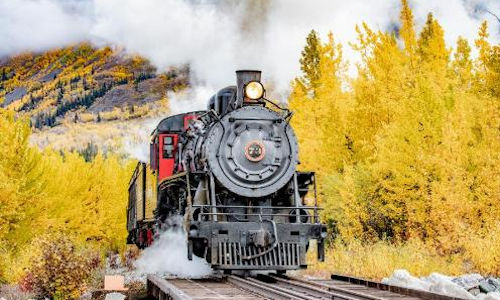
[231, 173]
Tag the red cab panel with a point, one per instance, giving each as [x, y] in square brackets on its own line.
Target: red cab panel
[168, 148]
[188, 118]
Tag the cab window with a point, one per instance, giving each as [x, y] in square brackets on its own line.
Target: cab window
[168, 147]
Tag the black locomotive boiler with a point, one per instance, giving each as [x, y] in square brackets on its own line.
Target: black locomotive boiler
[231, 173]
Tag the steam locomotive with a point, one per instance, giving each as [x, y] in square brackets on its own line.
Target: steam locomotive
[230, 173]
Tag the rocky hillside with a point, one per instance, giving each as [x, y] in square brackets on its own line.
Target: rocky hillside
[82, 84]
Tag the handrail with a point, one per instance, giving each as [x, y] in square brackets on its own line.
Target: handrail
[239, 214]
[255, 207]
[258, 211]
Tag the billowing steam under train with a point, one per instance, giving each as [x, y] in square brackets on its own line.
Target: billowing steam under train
[231, 173]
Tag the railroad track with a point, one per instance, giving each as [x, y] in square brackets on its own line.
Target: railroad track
[281, 287]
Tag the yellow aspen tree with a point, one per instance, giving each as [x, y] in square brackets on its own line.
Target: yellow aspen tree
[381, 85]
[22, 186]
[462, 62]
[20, 170]
[304, 124]
[484, 48]
[431, 49]
[407, 31]
[483, 45]
[488, 63]
[494, 76]
[93, 209]
[327, 104]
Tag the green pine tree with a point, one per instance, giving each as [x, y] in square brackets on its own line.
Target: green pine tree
[309, 62]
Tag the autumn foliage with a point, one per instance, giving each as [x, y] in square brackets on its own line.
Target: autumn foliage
[59, 270]
[48, 192]
[408, 150]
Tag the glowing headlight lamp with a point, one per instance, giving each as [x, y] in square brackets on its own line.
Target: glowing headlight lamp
[254, 90]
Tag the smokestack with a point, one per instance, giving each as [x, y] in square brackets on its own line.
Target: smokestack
[243, 77]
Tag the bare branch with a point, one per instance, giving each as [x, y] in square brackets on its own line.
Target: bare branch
[493, 15]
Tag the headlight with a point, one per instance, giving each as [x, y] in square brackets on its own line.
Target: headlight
[254, 90]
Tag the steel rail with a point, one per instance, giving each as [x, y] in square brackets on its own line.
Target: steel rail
[295, 293]
[261, 289]
[335, 293]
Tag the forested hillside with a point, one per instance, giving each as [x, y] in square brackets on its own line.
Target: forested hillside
[408, 152]
[78, 97]
[82, 83]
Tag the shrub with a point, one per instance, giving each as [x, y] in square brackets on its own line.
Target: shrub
[61, 270]
[130, 256]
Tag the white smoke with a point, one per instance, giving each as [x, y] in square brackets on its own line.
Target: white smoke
[138, 132]
[191, 99]
[218, 37]
[136, 149]
[136, 142]
[168, 256]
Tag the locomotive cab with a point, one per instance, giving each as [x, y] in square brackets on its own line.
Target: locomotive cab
[164, 145]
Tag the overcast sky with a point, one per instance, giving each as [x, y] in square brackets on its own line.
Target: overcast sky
[217, 37]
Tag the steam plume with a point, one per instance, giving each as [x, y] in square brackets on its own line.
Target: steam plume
[218, 37]
[168, 256]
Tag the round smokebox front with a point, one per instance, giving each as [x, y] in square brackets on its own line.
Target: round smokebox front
[252, 151]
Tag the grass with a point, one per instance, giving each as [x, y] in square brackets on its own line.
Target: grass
[380, 259]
